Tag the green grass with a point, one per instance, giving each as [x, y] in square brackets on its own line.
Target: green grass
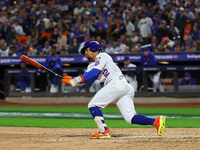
[156, 110]
[89, 123]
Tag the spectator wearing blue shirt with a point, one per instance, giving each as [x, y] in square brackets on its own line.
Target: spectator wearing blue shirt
[73, 33]
[156, 24]
[101, 22]
[20, 50]
[24, 78]
[148, 59]
[188, 80]
[54, 63]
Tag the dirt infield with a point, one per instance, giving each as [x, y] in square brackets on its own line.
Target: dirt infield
[23, 138]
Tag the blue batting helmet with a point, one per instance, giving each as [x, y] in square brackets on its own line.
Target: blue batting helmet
[94, 46]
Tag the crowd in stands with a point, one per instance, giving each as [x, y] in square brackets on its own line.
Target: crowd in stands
[33, 27]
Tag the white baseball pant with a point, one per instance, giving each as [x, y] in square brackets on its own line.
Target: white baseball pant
[155, 78]
[118, 91]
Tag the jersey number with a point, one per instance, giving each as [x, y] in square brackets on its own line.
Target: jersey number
[105, 72]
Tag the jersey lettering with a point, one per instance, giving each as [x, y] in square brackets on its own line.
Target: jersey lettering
[105, 72]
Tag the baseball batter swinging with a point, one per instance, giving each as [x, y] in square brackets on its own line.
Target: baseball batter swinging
[116, 89]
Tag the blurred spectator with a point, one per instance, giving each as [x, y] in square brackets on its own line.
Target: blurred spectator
[110, 29]
[110, 49]
[79, 9]
[54, 37]
[149, 59]
[73, 33]
[188, 80]
[145, 25]
[137, 47]
[24, 78]
[129, 43]
[163, 31]
[174, 29]
[101, 22]
[33, 37]
[4, 49]
[12, 51]
[119, 28]
[47, 47]
[2, 33]
[7, 27]
[167, 43]
[156, 24]
[195, 32]
[187, 28]
[89, 28]
[20, 50]
[74, 46]
[163, 15]
[180, 20]
[120, 48]
[188, 13]
[18, 28]
[129, 27]
[62, 40]
[23, 25]
[103, 45]
[101, 32]
[135, 36]
[130, 76]
[12, 35]
[54, 63]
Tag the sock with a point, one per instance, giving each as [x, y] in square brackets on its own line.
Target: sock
[142, 120]
[96, 111]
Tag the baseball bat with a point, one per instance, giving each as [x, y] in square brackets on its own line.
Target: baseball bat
[38, 65]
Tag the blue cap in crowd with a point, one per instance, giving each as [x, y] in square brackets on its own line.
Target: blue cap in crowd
[19, 45]
[39, 47]
[187, 74]
[119, 40]
[145, 49]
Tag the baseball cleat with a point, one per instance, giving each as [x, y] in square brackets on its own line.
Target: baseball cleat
[99, 135]
[159, 123]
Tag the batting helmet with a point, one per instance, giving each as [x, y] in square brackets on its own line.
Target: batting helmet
[94, 46]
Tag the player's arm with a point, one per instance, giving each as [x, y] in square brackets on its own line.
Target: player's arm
[80, 79]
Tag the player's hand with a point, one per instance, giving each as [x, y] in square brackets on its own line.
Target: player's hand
[66, 79]
[74, 82]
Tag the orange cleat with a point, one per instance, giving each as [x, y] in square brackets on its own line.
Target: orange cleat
[159, 123]
[99, 135]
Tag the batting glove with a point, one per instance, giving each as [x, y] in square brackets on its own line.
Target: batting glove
[66, 79]
[74, 82]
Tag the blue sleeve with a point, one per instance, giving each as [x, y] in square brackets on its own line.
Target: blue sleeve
[142, 60]
[182, 82]
[152, 61]
[46, 64]
[91, 74]
[193, 81]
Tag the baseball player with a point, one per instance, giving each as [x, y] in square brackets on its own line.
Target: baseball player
[130, 76]
[116, 89]
[149, 59]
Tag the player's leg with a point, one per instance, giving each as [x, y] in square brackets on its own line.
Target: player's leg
[111, 92]
[127, 109]
[155, 78]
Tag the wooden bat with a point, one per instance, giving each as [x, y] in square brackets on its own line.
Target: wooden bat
[38, 65]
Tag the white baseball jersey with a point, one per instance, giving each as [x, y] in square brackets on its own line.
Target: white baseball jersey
[109, 70]
[116, 88]
[120, 49]
[145, 26]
